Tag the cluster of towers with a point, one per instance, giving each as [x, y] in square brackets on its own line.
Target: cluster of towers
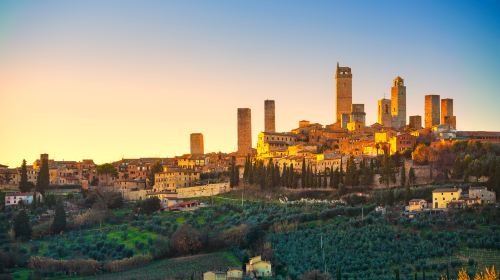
[435, 115]
[391, 112]
[245, 125]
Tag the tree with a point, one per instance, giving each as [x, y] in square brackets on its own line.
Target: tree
[155, 168]
[186, 240]
[387, 174]
[315, 275]
[411, 177]
[303, 177]
[59, 223]
[402, 176]
[149, 205]
[43, 179]
[22, 227]
[408, 194]
[24, 184]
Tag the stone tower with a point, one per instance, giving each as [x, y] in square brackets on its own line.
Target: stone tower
[416, 122]
[244, 131]
[358, 113]
[197, 144]
[398, 103]
[343, 83]
[431, 110]
[384, 112]
[269, 116]
[446, 109]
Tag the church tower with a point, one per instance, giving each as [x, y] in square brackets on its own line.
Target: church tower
[343, 83]
[398, 103]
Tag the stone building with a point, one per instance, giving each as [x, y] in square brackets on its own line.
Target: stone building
[358, 113]
[272, 141]
[197, 144]
[384, 112]
[343, 82]
[416, 122]
[451, 121]
[446, 108]
[432, 113]
[244, 131]
[398, 103]
[447, 116]
[269, 116]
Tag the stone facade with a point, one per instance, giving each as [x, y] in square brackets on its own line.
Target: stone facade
[398, 103]
[244, 131]
[343, 79]
[269, 116]
[384, 112]
[197, 147]
[416, 122]
[432, 113]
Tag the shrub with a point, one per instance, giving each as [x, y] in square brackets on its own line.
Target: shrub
[127, 263]
[76, 266]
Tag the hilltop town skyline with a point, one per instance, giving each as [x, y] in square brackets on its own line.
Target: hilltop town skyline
[258, 125]
[129, 84]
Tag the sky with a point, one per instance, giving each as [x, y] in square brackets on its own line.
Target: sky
[119, 79]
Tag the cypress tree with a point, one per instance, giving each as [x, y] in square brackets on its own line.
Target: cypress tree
[59, 223]
[22, 227]
[251, 173]
[336, 178]
[403, 176]
[341, 174]
[411, 176]
[24, 185]
[246, 172]
[43, 179]
[331, 178]
[339, 275]
[303, 177]
[325, 181]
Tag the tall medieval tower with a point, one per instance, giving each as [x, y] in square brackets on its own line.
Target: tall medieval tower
[384, 112]
[432, 113]
[196, 140]
[398, 103]
[244, 131]
[343, 82]
[269, 116]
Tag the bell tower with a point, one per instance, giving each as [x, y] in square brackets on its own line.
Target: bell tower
[343, 84]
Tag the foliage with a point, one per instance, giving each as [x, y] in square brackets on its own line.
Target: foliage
[43, 179]
[315, 275]
[59, 223]
[186, 240]
[155, 168]
[22, 227]
[76, 266]
[127, 263]
[149, 205]
[24, 184]
[107, 168]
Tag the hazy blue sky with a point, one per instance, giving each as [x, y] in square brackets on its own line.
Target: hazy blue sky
[106, 79]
